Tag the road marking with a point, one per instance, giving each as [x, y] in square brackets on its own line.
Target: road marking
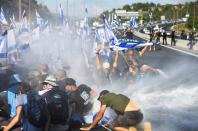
[185, 52]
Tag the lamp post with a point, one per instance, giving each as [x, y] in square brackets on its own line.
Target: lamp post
[194, 16]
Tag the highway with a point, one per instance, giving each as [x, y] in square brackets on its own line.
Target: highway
[171, 105]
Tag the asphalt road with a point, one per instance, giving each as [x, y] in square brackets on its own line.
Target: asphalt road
[171, 104]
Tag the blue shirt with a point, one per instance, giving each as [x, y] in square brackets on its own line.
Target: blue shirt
[12, 91]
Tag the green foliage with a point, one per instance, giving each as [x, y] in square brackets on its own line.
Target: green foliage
[171, 12]
[126, 7]
[11, 7]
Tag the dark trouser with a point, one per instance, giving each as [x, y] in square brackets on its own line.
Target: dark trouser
[128, 119]
[191, 43]
[173, 42]
[164, 41]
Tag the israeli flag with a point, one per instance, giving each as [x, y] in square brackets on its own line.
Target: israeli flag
[23, 39]
[115, 23]
[24, 23]
[134, 44]
[2, 18]
[38, 18]
[61, 15]
[110, 36]
[100, 35]
[133, 23]
[3, 45]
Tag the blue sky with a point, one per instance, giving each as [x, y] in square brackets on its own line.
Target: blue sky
[95, 7]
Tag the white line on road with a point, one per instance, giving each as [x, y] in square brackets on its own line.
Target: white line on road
[185, 52]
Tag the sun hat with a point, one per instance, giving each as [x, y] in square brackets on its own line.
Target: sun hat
[51, 80]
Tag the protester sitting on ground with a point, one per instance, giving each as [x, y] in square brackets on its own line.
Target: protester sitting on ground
[134, 58]
[22, 112]
[61, 77]
[57, 102]
[128, 112]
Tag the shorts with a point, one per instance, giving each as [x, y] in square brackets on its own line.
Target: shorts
[128, 119]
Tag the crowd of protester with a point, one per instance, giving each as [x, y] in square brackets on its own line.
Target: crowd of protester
[42, 100]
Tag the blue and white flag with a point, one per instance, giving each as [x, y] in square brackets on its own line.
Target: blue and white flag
[38, 19]
[115, 23]
[13, 22]
[2, 18]
[3, 45]
[110, 36]
[23, 39]
[100, 35]
[61, 15]
[24, 23]
[133, 23]
[134, 44]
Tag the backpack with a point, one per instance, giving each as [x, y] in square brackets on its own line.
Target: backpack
[57, 102]
[36, 109]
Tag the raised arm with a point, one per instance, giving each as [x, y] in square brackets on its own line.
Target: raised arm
[98, 65]
[116, 59]
[143, 51]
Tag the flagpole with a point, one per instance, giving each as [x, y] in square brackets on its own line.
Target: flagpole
[19, 10]
[67, 9]
[30, 12]
[56, 14]
[194, 16]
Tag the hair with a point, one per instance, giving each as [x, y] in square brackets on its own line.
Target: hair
[23, 88]
[70, 82]
[61, 74]
[43, 68]
[102, 93]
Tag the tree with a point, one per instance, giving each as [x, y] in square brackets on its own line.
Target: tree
[126, 7]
